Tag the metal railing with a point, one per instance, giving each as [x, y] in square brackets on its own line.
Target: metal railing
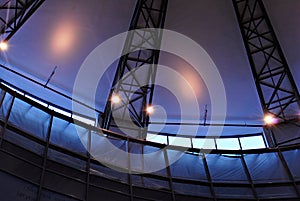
[77, 175]
[160, 137]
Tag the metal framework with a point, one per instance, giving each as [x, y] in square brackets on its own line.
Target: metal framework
[133, 86]
[274, 82]
[14, 13]
[54, 168]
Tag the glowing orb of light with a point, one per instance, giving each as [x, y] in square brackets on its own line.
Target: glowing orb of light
[270, 119]
[115, 99]
[150, 109]
[3, 46]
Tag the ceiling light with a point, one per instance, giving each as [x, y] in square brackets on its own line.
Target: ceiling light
[150, 109]
[270, 119]
[3, 46]
[115, 99]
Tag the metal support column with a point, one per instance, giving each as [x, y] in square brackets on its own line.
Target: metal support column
[250, 180]
[130, 172]
[88, 165]
[247, 172]
[209, 179]
[133, 86]
[2, 95]
[2, 133]
[167, 162]
[274, 82]
[45, 158]
[14, 13]
[288, 171]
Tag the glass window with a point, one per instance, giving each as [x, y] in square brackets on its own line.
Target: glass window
[19, 92]
[37, 101]
[228, 144]
[255, 142]
[204, 143]
[180, 141]
[84, 120]
[68, 114]
[157, 138]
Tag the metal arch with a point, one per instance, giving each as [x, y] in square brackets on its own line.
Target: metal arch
[127, 83]
[276, 87]
[14, 13]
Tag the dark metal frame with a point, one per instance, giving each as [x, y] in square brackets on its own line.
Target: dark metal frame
[6, 119]
[209, 179]
[46, 87]
[99, 112]
[136, 92]
[4, 84]
[45, 157]
[276, 87]
[130, 193]
[17, 13]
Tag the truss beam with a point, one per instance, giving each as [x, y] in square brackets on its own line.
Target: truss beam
[274, 82]
[133, 86]
[14, 13]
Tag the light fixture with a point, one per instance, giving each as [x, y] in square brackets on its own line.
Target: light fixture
[115, 99]
[3, 46]
[269, 119]
[150, 109]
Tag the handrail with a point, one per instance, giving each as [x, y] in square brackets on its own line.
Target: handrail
[108, 133]
[41, 100]
[23, 96]
[84, 156]
[155, 144]
[101, 112]
[49, 88]
[206, 124]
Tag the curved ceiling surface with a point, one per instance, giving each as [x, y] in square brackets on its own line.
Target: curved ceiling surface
[63, 33]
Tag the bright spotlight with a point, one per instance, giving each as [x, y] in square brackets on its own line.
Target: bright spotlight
[115, 99]
[3, 46]
[150, 109]
[270, 119]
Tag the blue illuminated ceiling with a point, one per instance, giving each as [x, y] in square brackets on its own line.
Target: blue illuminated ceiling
[64, 32]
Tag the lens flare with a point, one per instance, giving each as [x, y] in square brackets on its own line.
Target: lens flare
[63, 38]
[270, 119]
[115, 99]
[3, 46]
[150, 109]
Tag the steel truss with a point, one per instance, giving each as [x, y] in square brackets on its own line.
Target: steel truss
[135, 74]
[14, 13]
[274, 82]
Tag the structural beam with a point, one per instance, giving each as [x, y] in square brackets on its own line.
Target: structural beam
[274, 82]
[135, 75]
[14, 13]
